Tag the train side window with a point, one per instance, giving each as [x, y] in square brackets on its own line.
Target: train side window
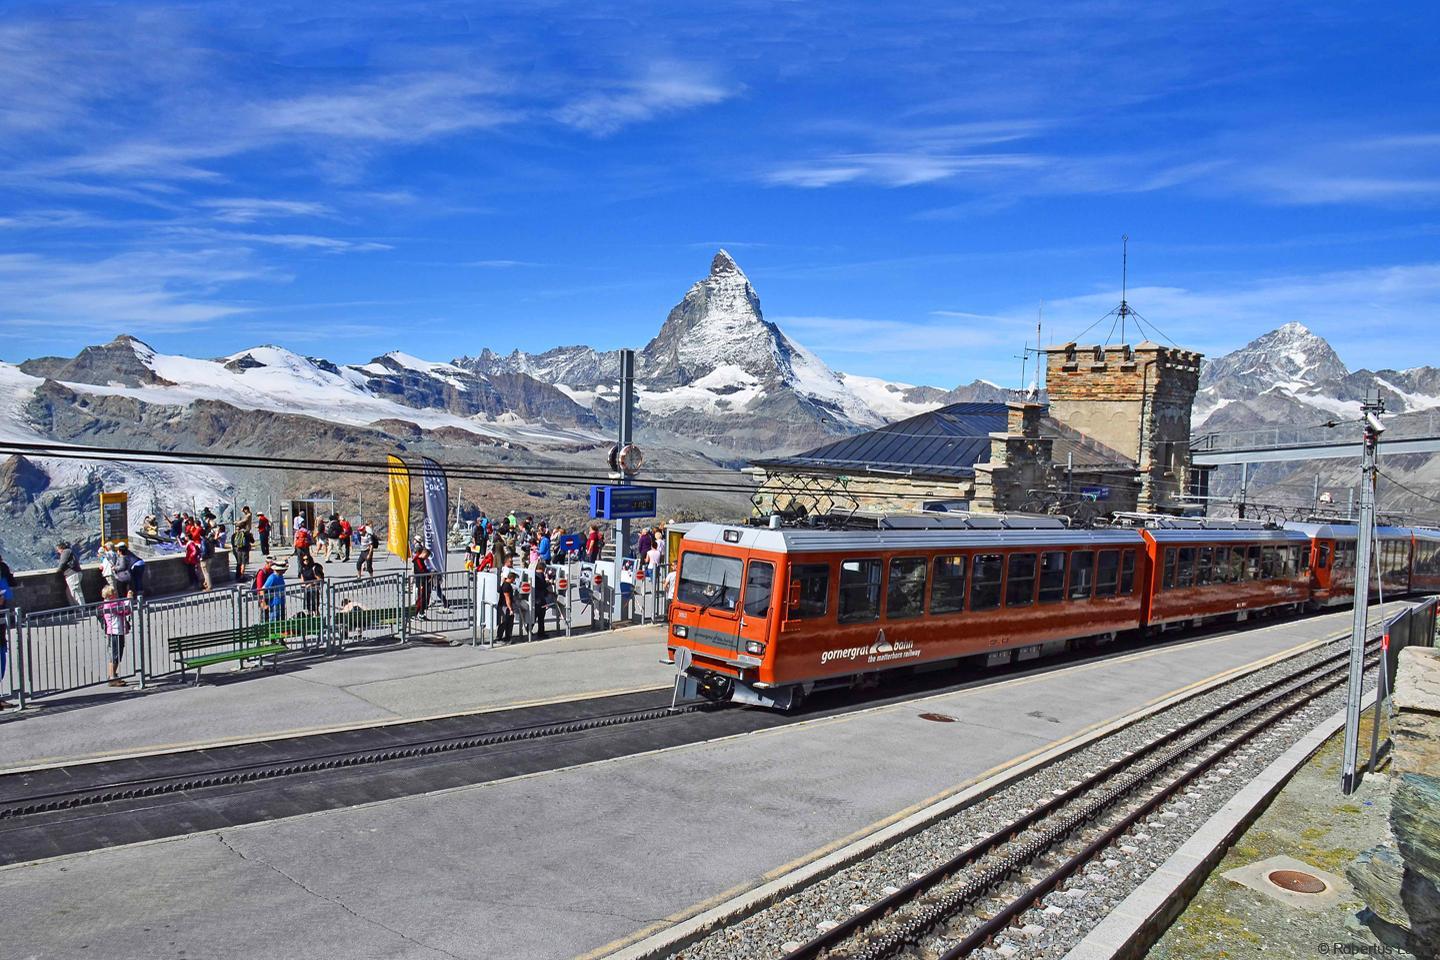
[1252, 564]
[1220, 569]
[1052, 576]
[1322, 556]
[1127, 573]
[947, 593]
[1107, 573]
[1237, 564]
[809, 590]
[1082, 574]
[1171, 553]
[1269, 564]
[1185, 574]
[1202, 572]
[905, 597]
[859, 590]
[985, 581]
[1020, 580]
[759, 584]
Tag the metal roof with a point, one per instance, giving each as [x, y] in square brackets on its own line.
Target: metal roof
[946, 442]
[1345, 531]
[875, 541]
[1231, 535]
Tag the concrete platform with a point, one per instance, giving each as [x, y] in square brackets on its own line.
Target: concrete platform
[388, 682]
[585, 859]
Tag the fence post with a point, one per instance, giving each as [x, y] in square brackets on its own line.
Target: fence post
[20, 659]
[404, 607]
[474, 584]
[142, 636]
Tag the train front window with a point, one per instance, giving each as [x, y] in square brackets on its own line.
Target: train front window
[709, 582]
[1052, 576]
[905, 596]
[948, 593]
[859, 590]
[809, 590]
[985, 581]
[759, 584]
[1322, 556]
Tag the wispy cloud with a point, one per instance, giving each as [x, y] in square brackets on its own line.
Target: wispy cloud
[895, 169]
[159, 291]
[666, 87]
[500, 264]
[253, 209]
[289, 241]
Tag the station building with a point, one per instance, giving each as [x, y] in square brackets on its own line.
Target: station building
[1114, 436]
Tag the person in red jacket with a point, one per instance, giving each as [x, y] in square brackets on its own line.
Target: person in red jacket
[262, 527]
[192, 562]
[347, 533]
[302, 543]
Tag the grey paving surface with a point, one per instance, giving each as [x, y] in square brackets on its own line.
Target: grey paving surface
[567, 862]
[387, 682]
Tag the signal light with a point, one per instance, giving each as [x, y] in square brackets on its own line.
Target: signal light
[681, 631]
[755, 646]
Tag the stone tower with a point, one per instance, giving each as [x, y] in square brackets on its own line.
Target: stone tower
[1137, 402]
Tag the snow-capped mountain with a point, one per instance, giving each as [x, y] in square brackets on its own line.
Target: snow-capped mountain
[1291, 375]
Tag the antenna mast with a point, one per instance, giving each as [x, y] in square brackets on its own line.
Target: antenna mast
[1124, 281]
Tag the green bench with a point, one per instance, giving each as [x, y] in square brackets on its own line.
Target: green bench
[360, 619]
[255, 642]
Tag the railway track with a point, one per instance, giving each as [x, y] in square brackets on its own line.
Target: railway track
[957, 907]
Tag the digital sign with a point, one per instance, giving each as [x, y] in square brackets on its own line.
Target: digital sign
[622, 503]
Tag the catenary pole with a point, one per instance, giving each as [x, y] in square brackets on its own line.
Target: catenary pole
[1372, 407]
[622, 527]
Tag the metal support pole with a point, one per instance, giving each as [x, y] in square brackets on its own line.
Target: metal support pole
[1315, 501]
[141, 636]
[20, 658]
[1371, 408]
[622, 527]
[1244, 487]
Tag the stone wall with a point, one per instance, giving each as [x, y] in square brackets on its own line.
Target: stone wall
[1400, 880]
[37, 590]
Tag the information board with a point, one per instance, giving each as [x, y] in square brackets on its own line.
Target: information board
[114, 517]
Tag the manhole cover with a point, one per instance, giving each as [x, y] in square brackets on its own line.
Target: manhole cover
[1296, 882]
[937, 717]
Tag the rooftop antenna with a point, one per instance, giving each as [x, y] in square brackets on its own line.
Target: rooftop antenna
[1039, 353]
[1124, 281]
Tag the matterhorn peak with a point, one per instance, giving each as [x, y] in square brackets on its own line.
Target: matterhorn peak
[1294, 329]
[724, 263]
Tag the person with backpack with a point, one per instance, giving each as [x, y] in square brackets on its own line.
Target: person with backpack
[262, 527]
[594, 543]
[302, 541]
[272, 608]
[70, 569]
[207, 550]
[129, 571]
[114, 616]
[263, 574]
[192, 563]
[347, 533]
[424, 580]
[240, 550]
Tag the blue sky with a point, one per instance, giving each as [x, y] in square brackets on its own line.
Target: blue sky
[904, 183]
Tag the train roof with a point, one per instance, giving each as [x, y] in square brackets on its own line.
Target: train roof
[1346, 531]
[806, 540]
[1425, 533]
[1227, 535]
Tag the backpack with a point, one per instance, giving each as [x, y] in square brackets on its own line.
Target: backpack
[302, 538]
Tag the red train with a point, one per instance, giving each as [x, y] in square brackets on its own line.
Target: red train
[769, 614]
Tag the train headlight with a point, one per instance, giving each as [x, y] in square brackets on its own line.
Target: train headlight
[755, 647]
[681, 631]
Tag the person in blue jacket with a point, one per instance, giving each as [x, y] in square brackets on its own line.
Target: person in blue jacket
[275, 591]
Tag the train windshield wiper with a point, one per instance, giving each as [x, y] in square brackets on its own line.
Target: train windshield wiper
[718, 597]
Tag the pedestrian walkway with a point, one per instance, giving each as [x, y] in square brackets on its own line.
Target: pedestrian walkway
[363, 686]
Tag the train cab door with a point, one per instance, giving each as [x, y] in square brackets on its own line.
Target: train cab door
[752, 626]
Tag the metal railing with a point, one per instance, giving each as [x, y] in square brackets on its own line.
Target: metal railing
[1419, 424]
[56, 652]
[1413, 626]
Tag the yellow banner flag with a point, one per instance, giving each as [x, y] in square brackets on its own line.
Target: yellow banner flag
[399, 540]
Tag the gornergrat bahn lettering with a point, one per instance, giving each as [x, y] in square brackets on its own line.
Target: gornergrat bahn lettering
[770, 614]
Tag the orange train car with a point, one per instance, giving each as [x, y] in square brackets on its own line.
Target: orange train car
[1425, 571]
[1333, 553]
[768, 614]
[1200, 570]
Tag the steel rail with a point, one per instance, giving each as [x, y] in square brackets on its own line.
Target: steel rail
[851, 925]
